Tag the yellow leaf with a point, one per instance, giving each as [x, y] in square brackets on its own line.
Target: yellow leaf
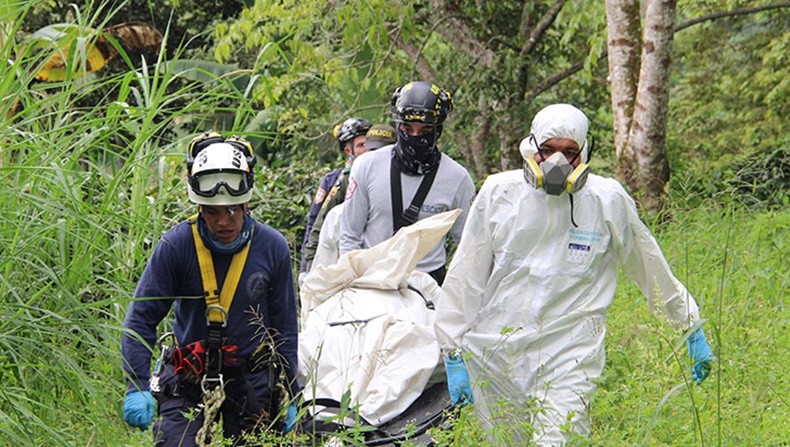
[131, 36]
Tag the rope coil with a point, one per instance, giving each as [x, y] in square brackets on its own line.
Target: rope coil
[212, 401]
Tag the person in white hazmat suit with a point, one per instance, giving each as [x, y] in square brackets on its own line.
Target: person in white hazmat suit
[526, 296]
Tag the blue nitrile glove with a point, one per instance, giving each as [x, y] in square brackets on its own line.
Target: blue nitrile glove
[138, 409]
[700, 354]
[290, 418]
[458, 380]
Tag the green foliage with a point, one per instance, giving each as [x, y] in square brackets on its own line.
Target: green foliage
[310, 82]
[763, 179]
[734, 263]
[188, 22]
[89, 187]
[758, 180]
[730, 88]
[464, 431]
[325, 62]
[283, 195]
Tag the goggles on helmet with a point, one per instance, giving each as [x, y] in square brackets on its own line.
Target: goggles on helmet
[208, 183]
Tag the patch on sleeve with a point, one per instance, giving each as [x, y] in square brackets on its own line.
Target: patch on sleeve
[320, 195]
[352, 188]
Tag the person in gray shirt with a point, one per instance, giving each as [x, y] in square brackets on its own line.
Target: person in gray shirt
[389, 189]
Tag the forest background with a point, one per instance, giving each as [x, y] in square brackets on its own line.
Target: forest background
[100, 99]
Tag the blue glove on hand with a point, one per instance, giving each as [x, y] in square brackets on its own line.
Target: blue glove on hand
[700, 354]
[458, 380]
[290, 418]
[138, 409]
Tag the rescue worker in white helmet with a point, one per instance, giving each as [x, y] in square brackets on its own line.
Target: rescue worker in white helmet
[228, 281]
[389, 189]
[528, 290]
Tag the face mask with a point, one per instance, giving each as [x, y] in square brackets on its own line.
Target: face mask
[555, 175]
[417, 147]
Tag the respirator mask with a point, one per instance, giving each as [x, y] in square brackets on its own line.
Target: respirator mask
[555, 174]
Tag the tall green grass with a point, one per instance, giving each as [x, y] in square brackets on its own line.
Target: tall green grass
[86, 192]
[735, 264]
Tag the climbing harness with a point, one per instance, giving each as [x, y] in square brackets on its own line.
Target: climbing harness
[217, 304]
[201, 367]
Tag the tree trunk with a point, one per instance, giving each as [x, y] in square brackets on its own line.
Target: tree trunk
[649, 125]
[623, 26]
[478, 143]
[640, 108]
[510, 131]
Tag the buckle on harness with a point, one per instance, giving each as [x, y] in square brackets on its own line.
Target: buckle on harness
[212, 310]
[210, 383]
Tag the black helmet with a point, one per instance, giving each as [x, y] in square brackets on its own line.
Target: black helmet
[421, 102]
[350, 129]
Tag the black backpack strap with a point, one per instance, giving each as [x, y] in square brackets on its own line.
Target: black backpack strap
[397, 197]
[401, 217]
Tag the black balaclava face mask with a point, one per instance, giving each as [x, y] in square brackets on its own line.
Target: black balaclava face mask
[417, 154]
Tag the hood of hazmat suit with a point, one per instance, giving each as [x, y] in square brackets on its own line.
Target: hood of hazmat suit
[557, 121]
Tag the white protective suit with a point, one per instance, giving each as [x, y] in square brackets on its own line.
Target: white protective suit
[527, 295]
[365, 328]
[328, 249]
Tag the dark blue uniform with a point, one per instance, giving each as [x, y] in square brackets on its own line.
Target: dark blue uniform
[172, 279]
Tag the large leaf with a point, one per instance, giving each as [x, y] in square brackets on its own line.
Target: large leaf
[91, 51]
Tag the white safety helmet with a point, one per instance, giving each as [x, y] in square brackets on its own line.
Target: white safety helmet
[220, 175]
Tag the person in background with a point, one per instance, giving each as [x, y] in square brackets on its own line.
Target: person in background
[528, 290]
[351, 136]
[418, 179]
[323, 246]
[228, 281]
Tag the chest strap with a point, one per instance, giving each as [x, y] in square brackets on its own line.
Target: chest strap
[401, 217]
[217, 303]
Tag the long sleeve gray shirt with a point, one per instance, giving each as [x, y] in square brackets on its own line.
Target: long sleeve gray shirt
[367, 216]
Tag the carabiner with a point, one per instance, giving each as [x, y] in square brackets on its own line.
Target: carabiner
[153, 382]
[204, 384]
